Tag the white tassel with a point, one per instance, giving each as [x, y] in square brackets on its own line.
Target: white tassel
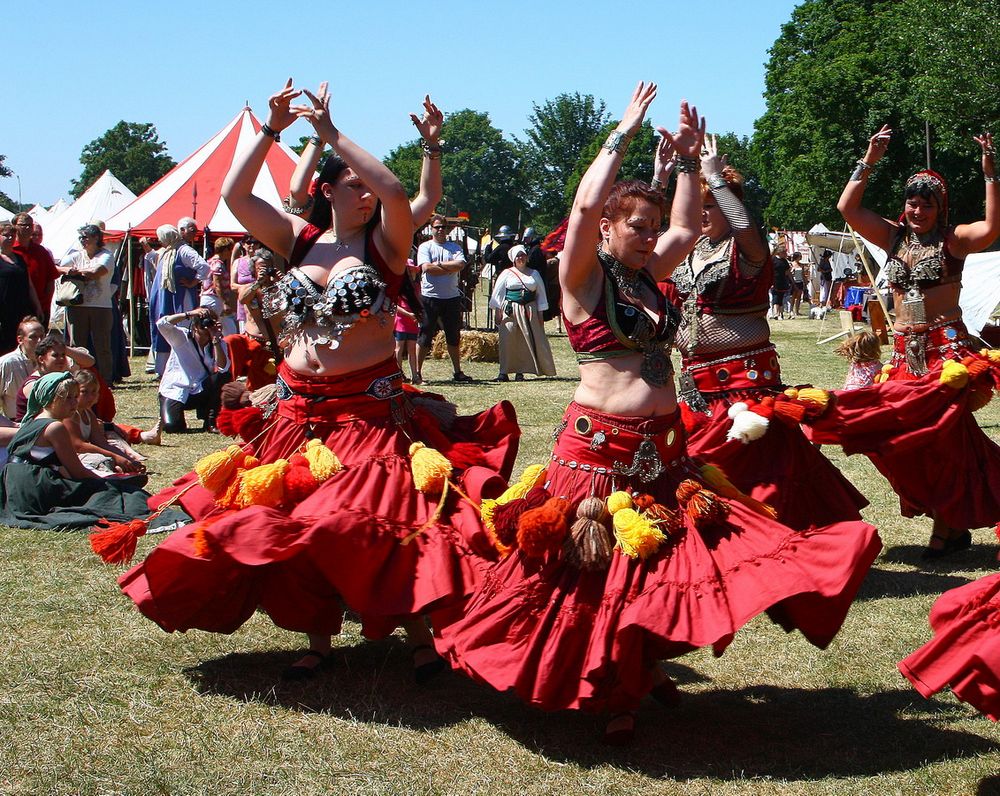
[747, 426]
[736, 409]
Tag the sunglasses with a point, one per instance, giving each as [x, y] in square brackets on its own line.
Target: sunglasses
[439, 227]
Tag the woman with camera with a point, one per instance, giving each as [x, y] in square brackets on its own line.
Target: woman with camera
[196, 369]
[367, 536]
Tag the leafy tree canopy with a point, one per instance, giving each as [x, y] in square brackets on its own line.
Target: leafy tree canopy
[480, 169]
[561, 129]
[134, 153]
[636, 165]
[842, 68]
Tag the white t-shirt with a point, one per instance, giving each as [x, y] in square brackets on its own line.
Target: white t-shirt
[96, 292]
[14, 369]
[188, 365]
[439, 286]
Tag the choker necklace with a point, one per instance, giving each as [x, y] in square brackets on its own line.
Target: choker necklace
[628, 280]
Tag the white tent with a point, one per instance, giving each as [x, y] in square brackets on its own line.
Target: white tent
[56, 210]
[39, 214]
[5, 214]
[99, 202]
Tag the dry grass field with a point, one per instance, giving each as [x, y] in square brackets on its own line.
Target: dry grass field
[95, 699]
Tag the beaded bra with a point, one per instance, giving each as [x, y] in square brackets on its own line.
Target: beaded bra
[354, 295]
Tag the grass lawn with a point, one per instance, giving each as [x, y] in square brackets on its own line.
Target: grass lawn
[96, 699]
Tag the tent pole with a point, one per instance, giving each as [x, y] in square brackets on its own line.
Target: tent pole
[131, 296]
[859, 247]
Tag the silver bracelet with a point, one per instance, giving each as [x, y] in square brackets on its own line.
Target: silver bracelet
[859, 170]
[716, 181]
[617, 141]
[990, 178]
[315, 139]
[656, 185]
[687, 165]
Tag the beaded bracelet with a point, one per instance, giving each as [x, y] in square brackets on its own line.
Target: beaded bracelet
[687, 165]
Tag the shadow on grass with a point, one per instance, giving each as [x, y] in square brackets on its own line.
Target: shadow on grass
[982, 555]
[880, 583]
[786, 732]
[990, 786]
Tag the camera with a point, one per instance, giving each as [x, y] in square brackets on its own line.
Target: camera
[205, 322]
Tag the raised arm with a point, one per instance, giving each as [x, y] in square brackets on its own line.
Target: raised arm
[305, 169]
[429, 126]
[266, 223]
[395, 229]
[685, 212]
[745, 230]
[579, 270]
[971, 238]
[868, 224]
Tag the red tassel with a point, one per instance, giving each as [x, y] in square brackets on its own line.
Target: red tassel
[790, 412]
[464, 455]
[300, 483]
[115, 543]
[542, 530]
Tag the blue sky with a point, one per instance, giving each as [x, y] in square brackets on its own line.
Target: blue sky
[188, 67]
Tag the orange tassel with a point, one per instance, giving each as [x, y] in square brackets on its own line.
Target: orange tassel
[790, 412]
[977, 367]
[115, 543]
[201, 543]
[701, 505]
[642, 501]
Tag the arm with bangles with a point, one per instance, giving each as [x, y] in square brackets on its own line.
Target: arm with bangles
[980, 235]
[685, 211]
[394, 232]
[748, 237]
[580, 273]
[868, 224]
[431, 188]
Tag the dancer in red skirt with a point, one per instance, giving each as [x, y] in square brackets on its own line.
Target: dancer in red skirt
[566, 621]
[365, 537]
[728, 358]
[965, 651]
[956, 476]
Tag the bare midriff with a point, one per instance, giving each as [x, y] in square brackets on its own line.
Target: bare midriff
[940, 307]
[614, 386]
[726, 333]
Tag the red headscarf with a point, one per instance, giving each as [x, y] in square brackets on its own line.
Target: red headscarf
[938, 186]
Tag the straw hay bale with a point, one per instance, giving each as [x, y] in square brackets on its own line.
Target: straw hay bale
[473, 346]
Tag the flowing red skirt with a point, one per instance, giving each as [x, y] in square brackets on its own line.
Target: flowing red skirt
[345, 542]
[561, 638]
[965, 651]
[923, 437]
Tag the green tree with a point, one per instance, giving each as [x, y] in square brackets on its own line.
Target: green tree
[738, 150]
[842, 68]
[5, 201]
[561, 129]
[299, 147]
[480, 170]
[133, 152]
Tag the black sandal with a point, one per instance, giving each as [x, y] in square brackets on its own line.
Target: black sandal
[623, 735]
[298, 672]
[423, 673]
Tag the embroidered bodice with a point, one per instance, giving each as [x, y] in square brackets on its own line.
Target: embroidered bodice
[922, 261]
[725, 284]
[357, 294]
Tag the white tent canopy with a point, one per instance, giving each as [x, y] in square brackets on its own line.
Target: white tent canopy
[5, 214]
[99, 202]
[56, 210]
[39, 214]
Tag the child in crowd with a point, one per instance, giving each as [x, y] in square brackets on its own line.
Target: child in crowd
[865, 355]
[99, 454]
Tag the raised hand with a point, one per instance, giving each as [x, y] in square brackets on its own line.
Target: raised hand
[663, 158]
[711, 161]
[279, 113]
[318, 112]
[877, 145]
[690, 131]
[429, 124]
[989, 153]
[632, 118]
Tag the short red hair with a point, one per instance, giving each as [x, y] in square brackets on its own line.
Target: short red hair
[626, 194]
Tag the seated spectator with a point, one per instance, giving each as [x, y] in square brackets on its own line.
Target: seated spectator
[86, 431]
[196, 369]
[44, 484]
[15, 366]
[216, 291]
[52, 355]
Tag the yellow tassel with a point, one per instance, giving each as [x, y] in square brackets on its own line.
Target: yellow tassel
[215, 470]
[717, 479]
[430, 468]
[619, 501]
[814, 395]
[534, 475]
[637, 537]
[323, 462]
[230, 496]
[250, 462]
[954, 374]
[994, 355]
[263, 485]
[486, 510]
[513, 492]
[792, 393]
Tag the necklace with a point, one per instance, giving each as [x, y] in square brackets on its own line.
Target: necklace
[628, 280]
[336, 242]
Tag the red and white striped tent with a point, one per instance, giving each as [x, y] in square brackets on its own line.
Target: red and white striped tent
[194, 186]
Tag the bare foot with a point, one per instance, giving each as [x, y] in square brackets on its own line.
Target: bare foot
[152, 437]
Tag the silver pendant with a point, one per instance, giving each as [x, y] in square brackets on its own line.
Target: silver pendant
[646, 464]
[687, 391]
[599, 439]
[913, 306]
